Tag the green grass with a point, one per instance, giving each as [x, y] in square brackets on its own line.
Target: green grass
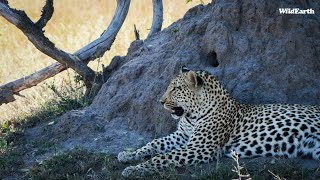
[68, 97]
[9, 155]
[13, 146]
[283, 168]
[75, 164]
[10, 161]
[83, 164]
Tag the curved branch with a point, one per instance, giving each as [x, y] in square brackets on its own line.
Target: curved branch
[157, 17]
[85, 54]
[98, 47]
[47, 12]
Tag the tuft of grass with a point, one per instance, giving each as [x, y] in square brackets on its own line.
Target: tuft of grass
[75, 164]
[283, 169]
[221, 172]
[68, 96]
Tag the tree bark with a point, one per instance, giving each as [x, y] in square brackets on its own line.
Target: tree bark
[157, 17]
[46, 15]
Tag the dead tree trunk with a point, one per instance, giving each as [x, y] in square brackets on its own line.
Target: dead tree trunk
[76, 61]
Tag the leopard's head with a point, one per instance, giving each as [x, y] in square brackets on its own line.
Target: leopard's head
[183, 94]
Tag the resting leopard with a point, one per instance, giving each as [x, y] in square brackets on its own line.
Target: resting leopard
[213, 123]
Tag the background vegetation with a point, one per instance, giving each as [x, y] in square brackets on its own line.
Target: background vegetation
[73, 25]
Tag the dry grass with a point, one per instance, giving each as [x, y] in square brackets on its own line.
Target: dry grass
[74, 24]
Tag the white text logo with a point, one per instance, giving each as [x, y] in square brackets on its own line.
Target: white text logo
[295, 11]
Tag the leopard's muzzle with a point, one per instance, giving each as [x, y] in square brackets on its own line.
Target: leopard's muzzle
[177, 111]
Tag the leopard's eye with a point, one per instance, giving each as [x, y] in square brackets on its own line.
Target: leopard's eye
[171, 89]
[176, 88]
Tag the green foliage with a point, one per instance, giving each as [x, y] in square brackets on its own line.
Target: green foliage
[4, 132]
[68, 96]
[174, 30]
[70, 93]
[188, 1]
[3, 144]
[8, 156]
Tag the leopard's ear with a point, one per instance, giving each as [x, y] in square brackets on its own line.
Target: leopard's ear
[184, 69]
[193, 80]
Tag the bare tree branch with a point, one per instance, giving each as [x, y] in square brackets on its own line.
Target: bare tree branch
[33, 79]
[98, 47]
[47, 12]
[36, 36]
[157, 17]
[93, 50]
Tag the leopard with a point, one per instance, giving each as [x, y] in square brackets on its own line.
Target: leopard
[211, 123]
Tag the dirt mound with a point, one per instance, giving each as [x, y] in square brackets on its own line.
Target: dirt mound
[259, 55]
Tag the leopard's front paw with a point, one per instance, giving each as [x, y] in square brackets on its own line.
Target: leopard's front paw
[136, 172]
[125, 156]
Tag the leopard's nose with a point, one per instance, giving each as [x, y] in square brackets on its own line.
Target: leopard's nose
[162, 101]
